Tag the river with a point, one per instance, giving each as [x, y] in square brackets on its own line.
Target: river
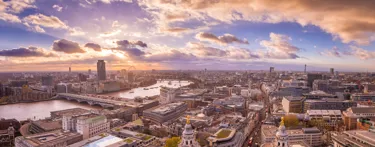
[40, 110]
[152, 90]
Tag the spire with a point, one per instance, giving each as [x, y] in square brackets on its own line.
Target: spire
[188, 119]
[282, 121]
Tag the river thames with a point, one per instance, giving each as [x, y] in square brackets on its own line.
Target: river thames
[151, 90]
[41, 110]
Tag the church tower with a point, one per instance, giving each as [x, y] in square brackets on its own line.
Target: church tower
[188, 136]
[282, 135]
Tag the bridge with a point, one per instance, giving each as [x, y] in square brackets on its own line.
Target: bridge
[93, 101]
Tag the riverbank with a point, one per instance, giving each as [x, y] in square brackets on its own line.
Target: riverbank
[10, 103]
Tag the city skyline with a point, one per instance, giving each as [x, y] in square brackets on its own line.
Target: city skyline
[181, 35]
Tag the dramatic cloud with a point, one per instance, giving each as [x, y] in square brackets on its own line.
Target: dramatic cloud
[175, 29]
[9, 17]
[39, 29]
[203, 51]
[362, 53]
[57, 8]
[140, 43]
[109, 1]
[279, 47]
[93, 46]
[334, 52]
[173, 55]
[110, 34]
[176, 16]
[225, 39]
[26, 52]
[17, 6]
[77, 31]
[3, 5]
[348, 20]
[67, 46]
[129, 44]
[45, 21]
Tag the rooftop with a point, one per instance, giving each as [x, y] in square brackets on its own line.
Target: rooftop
[49, 138]
[323, 112]
[363, 109]
[166, 109]
[294, 98]
[103, 140]
[48, 125]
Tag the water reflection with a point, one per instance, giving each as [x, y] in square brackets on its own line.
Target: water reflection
[148, 91]
[38, 110]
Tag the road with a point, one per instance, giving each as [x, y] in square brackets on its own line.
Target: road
[255, 134]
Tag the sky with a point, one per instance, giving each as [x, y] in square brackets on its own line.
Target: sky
[53, 35]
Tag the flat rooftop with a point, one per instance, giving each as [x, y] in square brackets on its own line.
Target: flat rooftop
[324, 112]
[166, 109]
[103, 140]
[48, 125]
[49, 138]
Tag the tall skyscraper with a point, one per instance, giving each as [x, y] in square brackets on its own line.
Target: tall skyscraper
[272, 69]
[89, 71]
[332, 71]
[101, 70]
[70, 69]
[305, 68]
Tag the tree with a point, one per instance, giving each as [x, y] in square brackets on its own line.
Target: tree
[172, 142]
[291, 120]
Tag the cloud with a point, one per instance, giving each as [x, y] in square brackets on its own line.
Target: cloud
[3, 5]
[362, 53]
[354, 24]
[110, 34]
[17, 6]
[76, 31]
[176, 16]
[140, 43]
[279, 47]
[203, 51]
[109, 1]
[173, 55]
[130, 44]
[93, 46]
[39, 29]
[57, 8]
[67, 46]
[334, 52]
[223, 40]
[9, 17]
[26, 52]
[45, 21]
[175, 29]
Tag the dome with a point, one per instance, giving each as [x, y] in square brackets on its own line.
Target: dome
[201, 115]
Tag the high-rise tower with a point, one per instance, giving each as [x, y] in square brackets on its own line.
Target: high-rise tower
[101, 70]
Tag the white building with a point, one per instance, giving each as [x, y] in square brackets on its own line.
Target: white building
[309, 136]
[167, 95]
[188, 136]
[88, 125]
[330, 117]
